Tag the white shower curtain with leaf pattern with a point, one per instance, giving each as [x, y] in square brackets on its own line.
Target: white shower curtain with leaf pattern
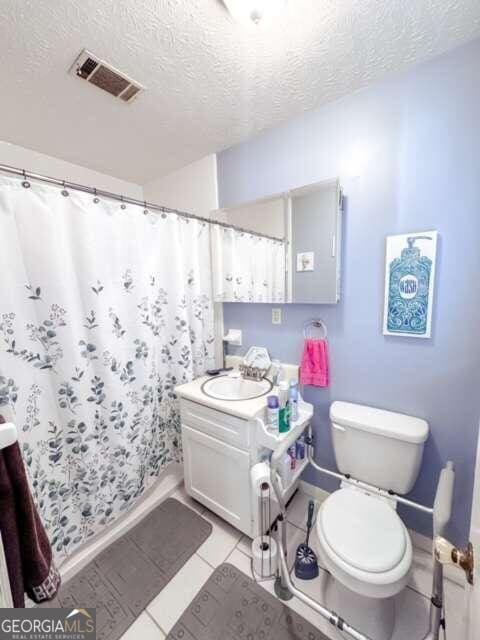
[103, 310]
[247, 267]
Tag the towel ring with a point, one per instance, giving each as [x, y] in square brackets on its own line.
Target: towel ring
[318, 324]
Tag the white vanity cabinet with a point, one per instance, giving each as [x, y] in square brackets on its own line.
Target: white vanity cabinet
[222, 441]
[217, 460]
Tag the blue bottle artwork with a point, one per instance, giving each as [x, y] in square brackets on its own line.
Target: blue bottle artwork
[409, 279]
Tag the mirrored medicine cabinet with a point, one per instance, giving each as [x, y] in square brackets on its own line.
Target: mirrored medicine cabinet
[285, 248]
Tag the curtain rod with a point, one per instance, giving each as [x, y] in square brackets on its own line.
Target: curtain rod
[125, 199]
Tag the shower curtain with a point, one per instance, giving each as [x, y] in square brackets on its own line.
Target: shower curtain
[103, 310]
[247, 267]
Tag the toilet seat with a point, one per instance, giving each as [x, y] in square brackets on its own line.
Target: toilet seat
[364, 531]
[364, 543]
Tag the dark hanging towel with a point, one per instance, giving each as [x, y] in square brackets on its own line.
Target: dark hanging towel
[26, 545]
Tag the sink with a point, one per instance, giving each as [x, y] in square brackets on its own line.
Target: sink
[228, 387]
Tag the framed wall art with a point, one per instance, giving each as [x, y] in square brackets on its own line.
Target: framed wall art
[409, 284]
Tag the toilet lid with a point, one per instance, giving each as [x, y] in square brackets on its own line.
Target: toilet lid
[362, 530]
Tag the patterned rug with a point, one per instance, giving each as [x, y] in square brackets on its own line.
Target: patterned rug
[124, 578]
[231, 606]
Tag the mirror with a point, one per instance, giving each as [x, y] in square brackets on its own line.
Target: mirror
[285, 248]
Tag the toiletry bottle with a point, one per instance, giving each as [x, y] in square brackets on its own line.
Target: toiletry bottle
[292, 452]
[300, 448]
[284, 414]
[283, 393]
[276, 371]
[293, 401]
[273, 410]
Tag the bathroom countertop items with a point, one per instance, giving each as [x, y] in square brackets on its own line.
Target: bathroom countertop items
[245, 409]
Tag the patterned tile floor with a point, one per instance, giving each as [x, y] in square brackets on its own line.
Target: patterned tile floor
[226, 544]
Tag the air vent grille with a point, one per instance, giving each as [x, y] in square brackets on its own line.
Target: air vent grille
[109, 81]
[130, 93]
[87, 67]
[90, 68]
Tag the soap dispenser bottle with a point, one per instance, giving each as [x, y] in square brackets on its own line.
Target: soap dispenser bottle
[409, 284]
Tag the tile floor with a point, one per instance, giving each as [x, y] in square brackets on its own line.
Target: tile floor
[226, 544]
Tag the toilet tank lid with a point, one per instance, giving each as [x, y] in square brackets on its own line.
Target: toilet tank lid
[379, 422]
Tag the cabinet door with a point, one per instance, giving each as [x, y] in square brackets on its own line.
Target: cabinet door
[218, 476]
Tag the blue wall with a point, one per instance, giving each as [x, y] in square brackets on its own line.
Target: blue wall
[407, 153]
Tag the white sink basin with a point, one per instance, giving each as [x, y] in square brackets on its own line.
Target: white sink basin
[233, 388]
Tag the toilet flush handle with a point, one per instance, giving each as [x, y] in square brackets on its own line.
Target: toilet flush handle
[338, 427]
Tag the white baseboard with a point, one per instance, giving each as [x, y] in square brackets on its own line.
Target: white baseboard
[166, 484]
[421, 576]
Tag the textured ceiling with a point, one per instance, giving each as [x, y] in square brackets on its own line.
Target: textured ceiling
[210, 81]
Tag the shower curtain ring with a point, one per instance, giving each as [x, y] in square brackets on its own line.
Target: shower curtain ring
[145, 210]
[64, 190]
[25, 182]
[96, 198]
[123, 205]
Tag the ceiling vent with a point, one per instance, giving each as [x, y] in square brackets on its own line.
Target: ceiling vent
[90, 68]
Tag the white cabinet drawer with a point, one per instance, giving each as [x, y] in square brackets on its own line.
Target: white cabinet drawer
[223, 426]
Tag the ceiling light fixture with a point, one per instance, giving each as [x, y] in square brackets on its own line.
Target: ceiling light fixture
[254, 11]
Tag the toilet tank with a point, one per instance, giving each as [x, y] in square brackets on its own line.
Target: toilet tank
[380, 447]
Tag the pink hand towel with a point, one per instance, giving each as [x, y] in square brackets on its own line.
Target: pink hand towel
[315, 367]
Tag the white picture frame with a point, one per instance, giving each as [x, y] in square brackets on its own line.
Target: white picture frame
[410, 261]
[306, 261]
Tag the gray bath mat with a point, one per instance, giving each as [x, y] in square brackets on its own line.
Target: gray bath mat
[231, 606]
[124, 578]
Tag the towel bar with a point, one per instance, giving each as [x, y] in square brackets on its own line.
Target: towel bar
[318, 324]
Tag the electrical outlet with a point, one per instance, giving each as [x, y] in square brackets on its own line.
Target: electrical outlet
[276, 316]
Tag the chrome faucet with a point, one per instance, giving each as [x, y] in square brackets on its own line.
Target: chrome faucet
[251, 373]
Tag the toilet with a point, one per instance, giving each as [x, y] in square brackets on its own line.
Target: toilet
[363, 543]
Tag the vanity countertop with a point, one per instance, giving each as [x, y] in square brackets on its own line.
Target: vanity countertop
[245, 409]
